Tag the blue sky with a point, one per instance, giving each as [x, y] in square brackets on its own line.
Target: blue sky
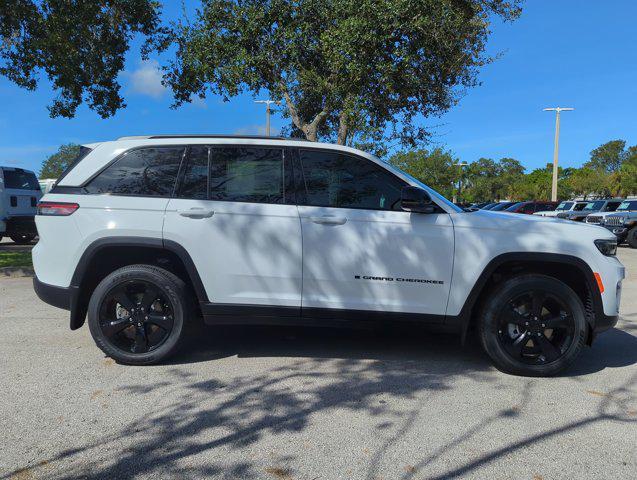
[569, 53]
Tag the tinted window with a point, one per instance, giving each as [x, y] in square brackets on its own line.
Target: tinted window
[247, 174]
[343, 181]
[579, 206]
[528, 208]
[545, 207]
[612, 206]
[628, 205]
[145, 171]
[194, 183]
[21, 180]
[564, 206]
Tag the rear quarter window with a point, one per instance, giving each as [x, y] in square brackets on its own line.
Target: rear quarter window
[149, 172]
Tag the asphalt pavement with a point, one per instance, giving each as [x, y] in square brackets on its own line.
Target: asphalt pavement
[306, 404]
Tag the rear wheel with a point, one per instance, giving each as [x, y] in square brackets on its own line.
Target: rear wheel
[137, 314]
[533, 325]
[632, 238]
[23, 239]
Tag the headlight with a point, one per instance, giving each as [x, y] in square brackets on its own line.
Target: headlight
[607, 247]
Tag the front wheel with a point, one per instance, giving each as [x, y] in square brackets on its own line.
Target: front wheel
[533, 325]
[23, 239]
[631, 238]
[137, 314]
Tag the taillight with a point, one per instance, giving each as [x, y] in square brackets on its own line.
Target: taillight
[60, 209]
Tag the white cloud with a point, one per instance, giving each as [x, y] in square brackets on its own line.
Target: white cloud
[146, 80]
[256, 130]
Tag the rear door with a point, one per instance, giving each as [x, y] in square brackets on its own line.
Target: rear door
[360, 250]
[234, 213]
[21, 191]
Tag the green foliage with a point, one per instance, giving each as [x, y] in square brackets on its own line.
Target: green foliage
[587, 181]
[15, 259]
[438, 168]
[55, 164]
[487, 179]
[343, 68]
[79, 44]
[610, 156]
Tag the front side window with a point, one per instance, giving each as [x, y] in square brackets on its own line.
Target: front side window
[150, 172]
[612, 206]
[20, 180]
[332, 179]
[248, 174]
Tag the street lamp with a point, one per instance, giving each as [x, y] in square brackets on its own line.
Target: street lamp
[556, 149]
[463, 164]
[267, 113]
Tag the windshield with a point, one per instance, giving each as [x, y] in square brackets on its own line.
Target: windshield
[564, 206]
[20, 180]
[627, 205]
[594, 205]
[432, 193]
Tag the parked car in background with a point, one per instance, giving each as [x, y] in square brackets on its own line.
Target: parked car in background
[607, 205]
[479, 205]
[622, 222]
[502, 206]
[529, 208]
[566, 206]
[19, 196]
[46, 184]
[489, 206]
[300, 231]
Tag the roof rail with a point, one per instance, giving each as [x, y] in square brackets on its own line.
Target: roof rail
[253, 137]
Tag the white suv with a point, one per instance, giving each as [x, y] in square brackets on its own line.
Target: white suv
[146, 235]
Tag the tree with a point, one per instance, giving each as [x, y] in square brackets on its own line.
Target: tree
[610, 156]
[79, 45]
[341, 67]
[438, 169]
[55, 164]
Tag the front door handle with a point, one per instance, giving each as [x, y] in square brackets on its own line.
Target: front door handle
[196, 213]
[329, 220]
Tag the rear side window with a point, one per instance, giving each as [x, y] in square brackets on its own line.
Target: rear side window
[248, 174]
[195, 178]
[332, 179]
[20, 180]
[150, 172]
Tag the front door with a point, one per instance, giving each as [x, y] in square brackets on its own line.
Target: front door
[360, 250]
[235, 216]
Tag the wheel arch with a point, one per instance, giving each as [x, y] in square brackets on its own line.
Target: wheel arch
[573, 271]
[108, 254]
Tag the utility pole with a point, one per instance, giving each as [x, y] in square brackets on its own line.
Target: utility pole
[267, 113]
[556, 148]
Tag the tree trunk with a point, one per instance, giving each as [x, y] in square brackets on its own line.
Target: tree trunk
[342, 129]
[309, 129]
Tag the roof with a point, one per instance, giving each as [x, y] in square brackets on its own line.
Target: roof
[251, 137]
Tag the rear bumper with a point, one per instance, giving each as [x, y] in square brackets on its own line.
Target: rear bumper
[21, 226]
[59, 297]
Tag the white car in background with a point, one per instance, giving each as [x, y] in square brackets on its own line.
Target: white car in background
[46, 184]
[569, 206]
[19, 196]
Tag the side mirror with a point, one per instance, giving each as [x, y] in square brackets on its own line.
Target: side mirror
[414, 199]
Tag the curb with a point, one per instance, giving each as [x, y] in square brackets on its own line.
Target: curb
[16, 272]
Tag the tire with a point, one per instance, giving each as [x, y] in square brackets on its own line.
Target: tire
[22, 239]
[138, 314]
[631, 238]
[516, 333]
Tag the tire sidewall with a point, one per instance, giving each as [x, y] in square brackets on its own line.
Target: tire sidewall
[517, 286]
[168, 284]
[631, 238]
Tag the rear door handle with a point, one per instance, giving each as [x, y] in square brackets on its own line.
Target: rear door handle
[196, 213]
[329, 220]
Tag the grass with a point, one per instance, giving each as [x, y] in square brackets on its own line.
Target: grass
[15, 259]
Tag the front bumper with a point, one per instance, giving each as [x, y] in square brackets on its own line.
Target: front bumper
[620, 232]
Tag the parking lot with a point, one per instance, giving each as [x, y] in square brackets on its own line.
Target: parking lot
[308, 404]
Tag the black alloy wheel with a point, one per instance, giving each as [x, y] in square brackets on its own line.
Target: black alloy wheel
[136, 316]
[532, 325]
[535, 328]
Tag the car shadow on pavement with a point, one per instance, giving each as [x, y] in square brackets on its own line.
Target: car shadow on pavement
[611, 349]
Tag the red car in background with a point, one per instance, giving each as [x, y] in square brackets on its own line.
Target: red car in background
[530, 208]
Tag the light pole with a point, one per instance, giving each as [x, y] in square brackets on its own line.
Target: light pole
[463, 164]
[267, 113]
[556, 149]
